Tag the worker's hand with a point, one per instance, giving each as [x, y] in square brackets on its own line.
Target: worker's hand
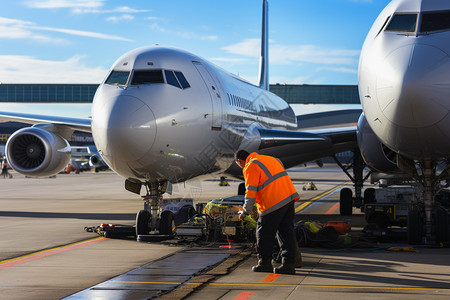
[242, 215]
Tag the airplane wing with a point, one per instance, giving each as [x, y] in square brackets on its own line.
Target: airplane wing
[72, 123]
[319, 135]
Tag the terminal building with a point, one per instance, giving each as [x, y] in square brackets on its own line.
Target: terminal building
[84, 93]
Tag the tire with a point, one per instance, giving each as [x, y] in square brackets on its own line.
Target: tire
[441, 225]
[143, 218]
[241, 188]
[166, 223]
[346, 202]
[414, 230]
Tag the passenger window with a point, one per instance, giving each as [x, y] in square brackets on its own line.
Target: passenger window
[403, 23]
[170, 78]
[182, 80]
[435, 21]
[118, 77]
[147, 77]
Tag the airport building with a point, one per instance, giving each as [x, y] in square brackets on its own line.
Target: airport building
[84, 93]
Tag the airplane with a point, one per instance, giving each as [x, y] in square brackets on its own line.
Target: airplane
[92, 157]
[403, 82]
[164, 115]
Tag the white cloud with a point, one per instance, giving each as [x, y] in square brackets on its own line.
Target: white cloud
[120, 18]
[84, 33]
[51, 4]
[81, 6]
[27, 69]
[288, 54]
[126, 9]
[19, 29]
[183, 34]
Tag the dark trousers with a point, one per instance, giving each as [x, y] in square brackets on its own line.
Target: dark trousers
[279, 224]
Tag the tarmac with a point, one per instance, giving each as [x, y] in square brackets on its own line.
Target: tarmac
[46, 254]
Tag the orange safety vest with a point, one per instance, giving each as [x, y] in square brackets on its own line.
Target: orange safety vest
[267, 184]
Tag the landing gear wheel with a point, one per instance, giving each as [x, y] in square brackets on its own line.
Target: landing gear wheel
[414, 230]
[346, 202]
[143, 222]
[166, 223]
[441, 225]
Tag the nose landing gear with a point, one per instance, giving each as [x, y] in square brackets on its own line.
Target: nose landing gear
[151, 218]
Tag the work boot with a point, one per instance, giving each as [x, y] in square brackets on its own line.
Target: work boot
[264, 265]
[286, 267]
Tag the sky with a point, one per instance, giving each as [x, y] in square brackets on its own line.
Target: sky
[77, 41]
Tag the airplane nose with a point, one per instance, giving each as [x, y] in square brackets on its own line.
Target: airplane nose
[412, 85]
[125, 130]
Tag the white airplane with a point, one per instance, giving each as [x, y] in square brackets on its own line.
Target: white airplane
[404, 87]
[163, 115]
[90, 153]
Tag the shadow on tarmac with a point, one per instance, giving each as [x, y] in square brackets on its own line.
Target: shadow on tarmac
[86, 216]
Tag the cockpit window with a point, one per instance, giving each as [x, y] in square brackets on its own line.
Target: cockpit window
[176, 79]
[147, 77]
[403, 23]
[118, 77]
[170, 78]
[182, 80]
[435, 21]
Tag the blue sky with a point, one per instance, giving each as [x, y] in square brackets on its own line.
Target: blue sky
[77, 41]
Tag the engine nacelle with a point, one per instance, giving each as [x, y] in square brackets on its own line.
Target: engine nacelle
[376, 155]
[95, 161]
[33, 151]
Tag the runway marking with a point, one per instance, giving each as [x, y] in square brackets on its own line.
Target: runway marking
[333, 209]
[307, 203]
[270, 278]
[271, 285]
[29, 257]
[244, 295]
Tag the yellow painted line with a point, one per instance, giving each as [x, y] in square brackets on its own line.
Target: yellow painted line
[333, 286]
[307, 203]
[156, 282]
[43, 253]
[291, 285]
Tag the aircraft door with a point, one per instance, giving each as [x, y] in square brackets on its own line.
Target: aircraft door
[214, 95]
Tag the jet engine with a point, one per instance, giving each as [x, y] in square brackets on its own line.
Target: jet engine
[375, 154]
[95, 161]
[33, 151]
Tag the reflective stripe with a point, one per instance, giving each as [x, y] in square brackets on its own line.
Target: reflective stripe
[279, 204]
[263, 168]
[251, 188]
[270, 180]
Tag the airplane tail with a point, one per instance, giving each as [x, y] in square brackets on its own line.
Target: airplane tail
[263, 77]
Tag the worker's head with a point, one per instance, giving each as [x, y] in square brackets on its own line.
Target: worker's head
[240, 157]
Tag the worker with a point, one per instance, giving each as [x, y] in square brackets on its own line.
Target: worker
[5, 172]
[268, 185]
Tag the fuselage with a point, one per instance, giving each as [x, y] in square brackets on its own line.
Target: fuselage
[166, 114]
[404, 78]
